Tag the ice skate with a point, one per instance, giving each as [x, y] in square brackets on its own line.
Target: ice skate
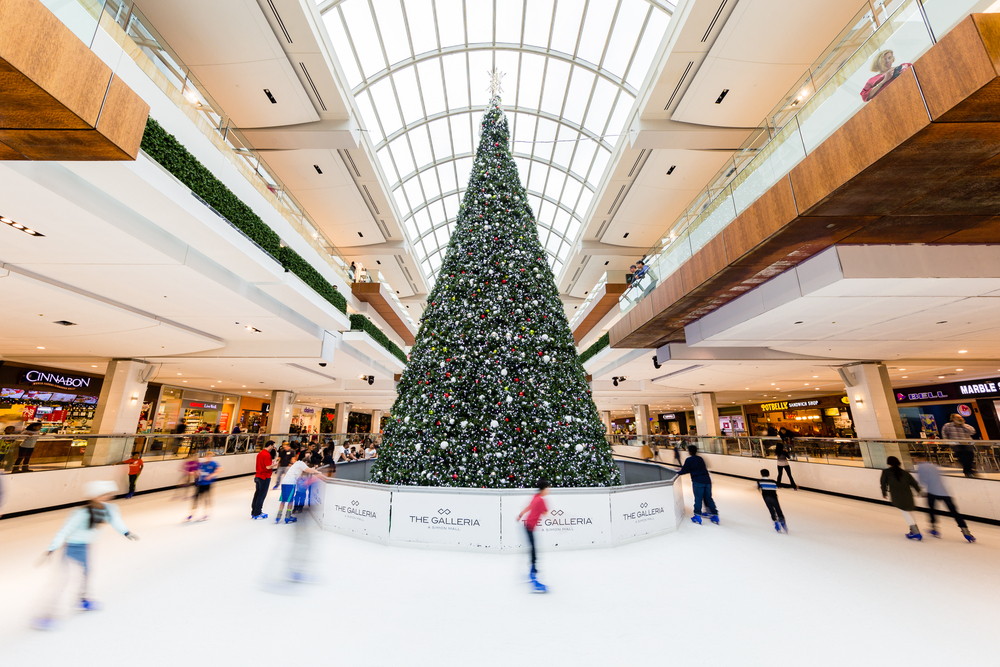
[696, 519]
[914, 536]
[88, 605]
[968, 536]
[784, 527]
[714, 519]
[935, 533]
[291, 519]
[536, 585]
[259, 517]
[43, 623]
[777, 527]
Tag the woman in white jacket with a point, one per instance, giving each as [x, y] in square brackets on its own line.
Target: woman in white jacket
[77, 534]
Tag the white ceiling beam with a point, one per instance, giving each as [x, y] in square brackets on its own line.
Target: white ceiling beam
[325, 133]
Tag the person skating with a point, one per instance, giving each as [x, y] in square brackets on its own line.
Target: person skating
[929, 476]
[208, 471]
[534, 511]
[701, 485]
[769, 492]
[288, 482]
[285, 455]
[899, 485]
[262, 480]
[135, 465]
[781, 452]
[77, 534]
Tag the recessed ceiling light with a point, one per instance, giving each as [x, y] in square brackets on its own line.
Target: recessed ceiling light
[93, 366]
[815, 376]
[19, 226]
[40, 347]
[940, 377]
[962, 351]
[183, 380]
[905, 376]
[959, 369]
[178, 373]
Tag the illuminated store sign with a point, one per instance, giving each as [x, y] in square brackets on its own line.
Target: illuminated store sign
[981, 388]
[205, 406]
[55, 379]
[786, 405]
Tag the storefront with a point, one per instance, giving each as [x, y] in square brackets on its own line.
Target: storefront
[253, 414]
[925, 410]
[822, 417]
[61, 401]
[673, 423]
[732, 421]
[305, 419]
[195, 411]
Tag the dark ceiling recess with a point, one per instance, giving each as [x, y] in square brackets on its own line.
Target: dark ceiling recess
[65, 323]
[607, 262]
[361, 235]
[722, 96]
[671, 170]
[270, 96]
[626, 235]
[318, 170]
[378, 262]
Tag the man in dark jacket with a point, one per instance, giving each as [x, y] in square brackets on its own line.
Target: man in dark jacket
[701, 484]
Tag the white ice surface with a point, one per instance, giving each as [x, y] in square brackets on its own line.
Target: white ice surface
[843, 588]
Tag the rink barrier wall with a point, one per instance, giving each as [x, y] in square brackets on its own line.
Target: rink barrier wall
[976, 499]
[53, 489]
[486, 519]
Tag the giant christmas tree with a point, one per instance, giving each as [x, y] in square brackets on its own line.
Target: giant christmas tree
[494, 395]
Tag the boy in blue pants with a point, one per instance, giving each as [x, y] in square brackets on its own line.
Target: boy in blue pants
[288, 484]
[701, 484]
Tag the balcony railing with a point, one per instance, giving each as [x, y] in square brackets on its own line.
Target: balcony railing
[826, 96]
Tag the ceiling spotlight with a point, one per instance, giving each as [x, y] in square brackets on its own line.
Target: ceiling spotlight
[19, 226]
[656, 364]
[615, 380]
[962, 351]
[251, 329]
[371, 379]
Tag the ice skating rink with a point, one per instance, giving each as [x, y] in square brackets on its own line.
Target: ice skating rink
[843, 588]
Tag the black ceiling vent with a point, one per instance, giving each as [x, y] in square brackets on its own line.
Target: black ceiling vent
[270, 96]
[65, 323]
[722, 96]
[318, 170]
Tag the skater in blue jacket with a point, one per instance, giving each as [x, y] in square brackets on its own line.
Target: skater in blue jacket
[701, 484]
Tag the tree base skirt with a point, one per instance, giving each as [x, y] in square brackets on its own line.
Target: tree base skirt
[486, 519]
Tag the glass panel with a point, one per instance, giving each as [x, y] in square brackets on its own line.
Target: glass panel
[554, 91]
[509, 22]
[420, 17]
[432, 87]
[600, 106]
[80, 16]
[393, 30]
[720, 213]
[537, 22]
[449, 20]
[566, 27]
[943, 15]
[595, 30]
[456, 80]
[656, 27]
[428, 180]
[361, 25]
[479, 16]
[625, 35]
[421, 146]
[772, 163]
[446, 175]
[408, 94]
[461, 134]
[384, 100]
[401, 155]
[899, 41]
[369, 117]
[562, 151]
[578, 95]
[440, 138]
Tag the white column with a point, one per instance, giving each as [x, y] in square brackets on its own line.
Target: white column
[376, 420]
[118, 411]
[606, 420]
[343, 411]
[875, 415]
[279, 418]
[706, 413]
[641, 422]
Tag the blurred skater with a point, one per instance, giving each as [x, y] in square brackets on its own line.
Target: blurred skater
[262, 480]
[769, 492]
[135, 465]
[929, 476]
[208, 472]
[189, 473]
[77, 534]
[899, 485]
[701, 485]
[285, 455]
[535, 510]
[288, 483]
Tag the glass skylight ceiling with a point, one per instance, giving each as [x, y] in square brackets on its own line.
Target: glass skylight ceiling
[419, 74]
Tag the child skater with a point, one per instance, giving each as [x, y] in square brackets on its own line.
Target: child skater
[77, 534]
[535, 509]
[288, 483]
[769, 491]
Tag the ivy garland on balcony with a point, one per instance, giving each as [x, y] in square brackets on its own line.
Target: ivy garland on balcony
[163, 147]
[361, 323]
[601, 343]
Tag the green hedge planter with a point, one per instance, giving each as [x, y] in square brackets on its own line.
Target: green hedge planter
[361, 323]
[601, 343]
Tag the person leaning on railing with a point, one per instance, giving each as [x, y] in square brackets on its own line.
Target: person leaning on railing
[957, 429]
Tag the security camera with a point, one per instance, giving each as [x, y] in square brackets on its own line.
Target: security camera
[371, 379]
[656, 364]
[322, 364]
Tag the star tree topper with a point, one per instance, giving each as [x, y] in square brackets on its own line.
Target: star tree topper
[496, 77]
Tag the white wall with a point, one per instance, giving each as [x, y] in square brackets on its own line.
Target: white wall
[52, 488]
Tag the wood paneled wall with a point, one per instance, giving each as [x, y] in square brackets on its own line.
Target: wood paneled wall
[920, 163]
[59, 100]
